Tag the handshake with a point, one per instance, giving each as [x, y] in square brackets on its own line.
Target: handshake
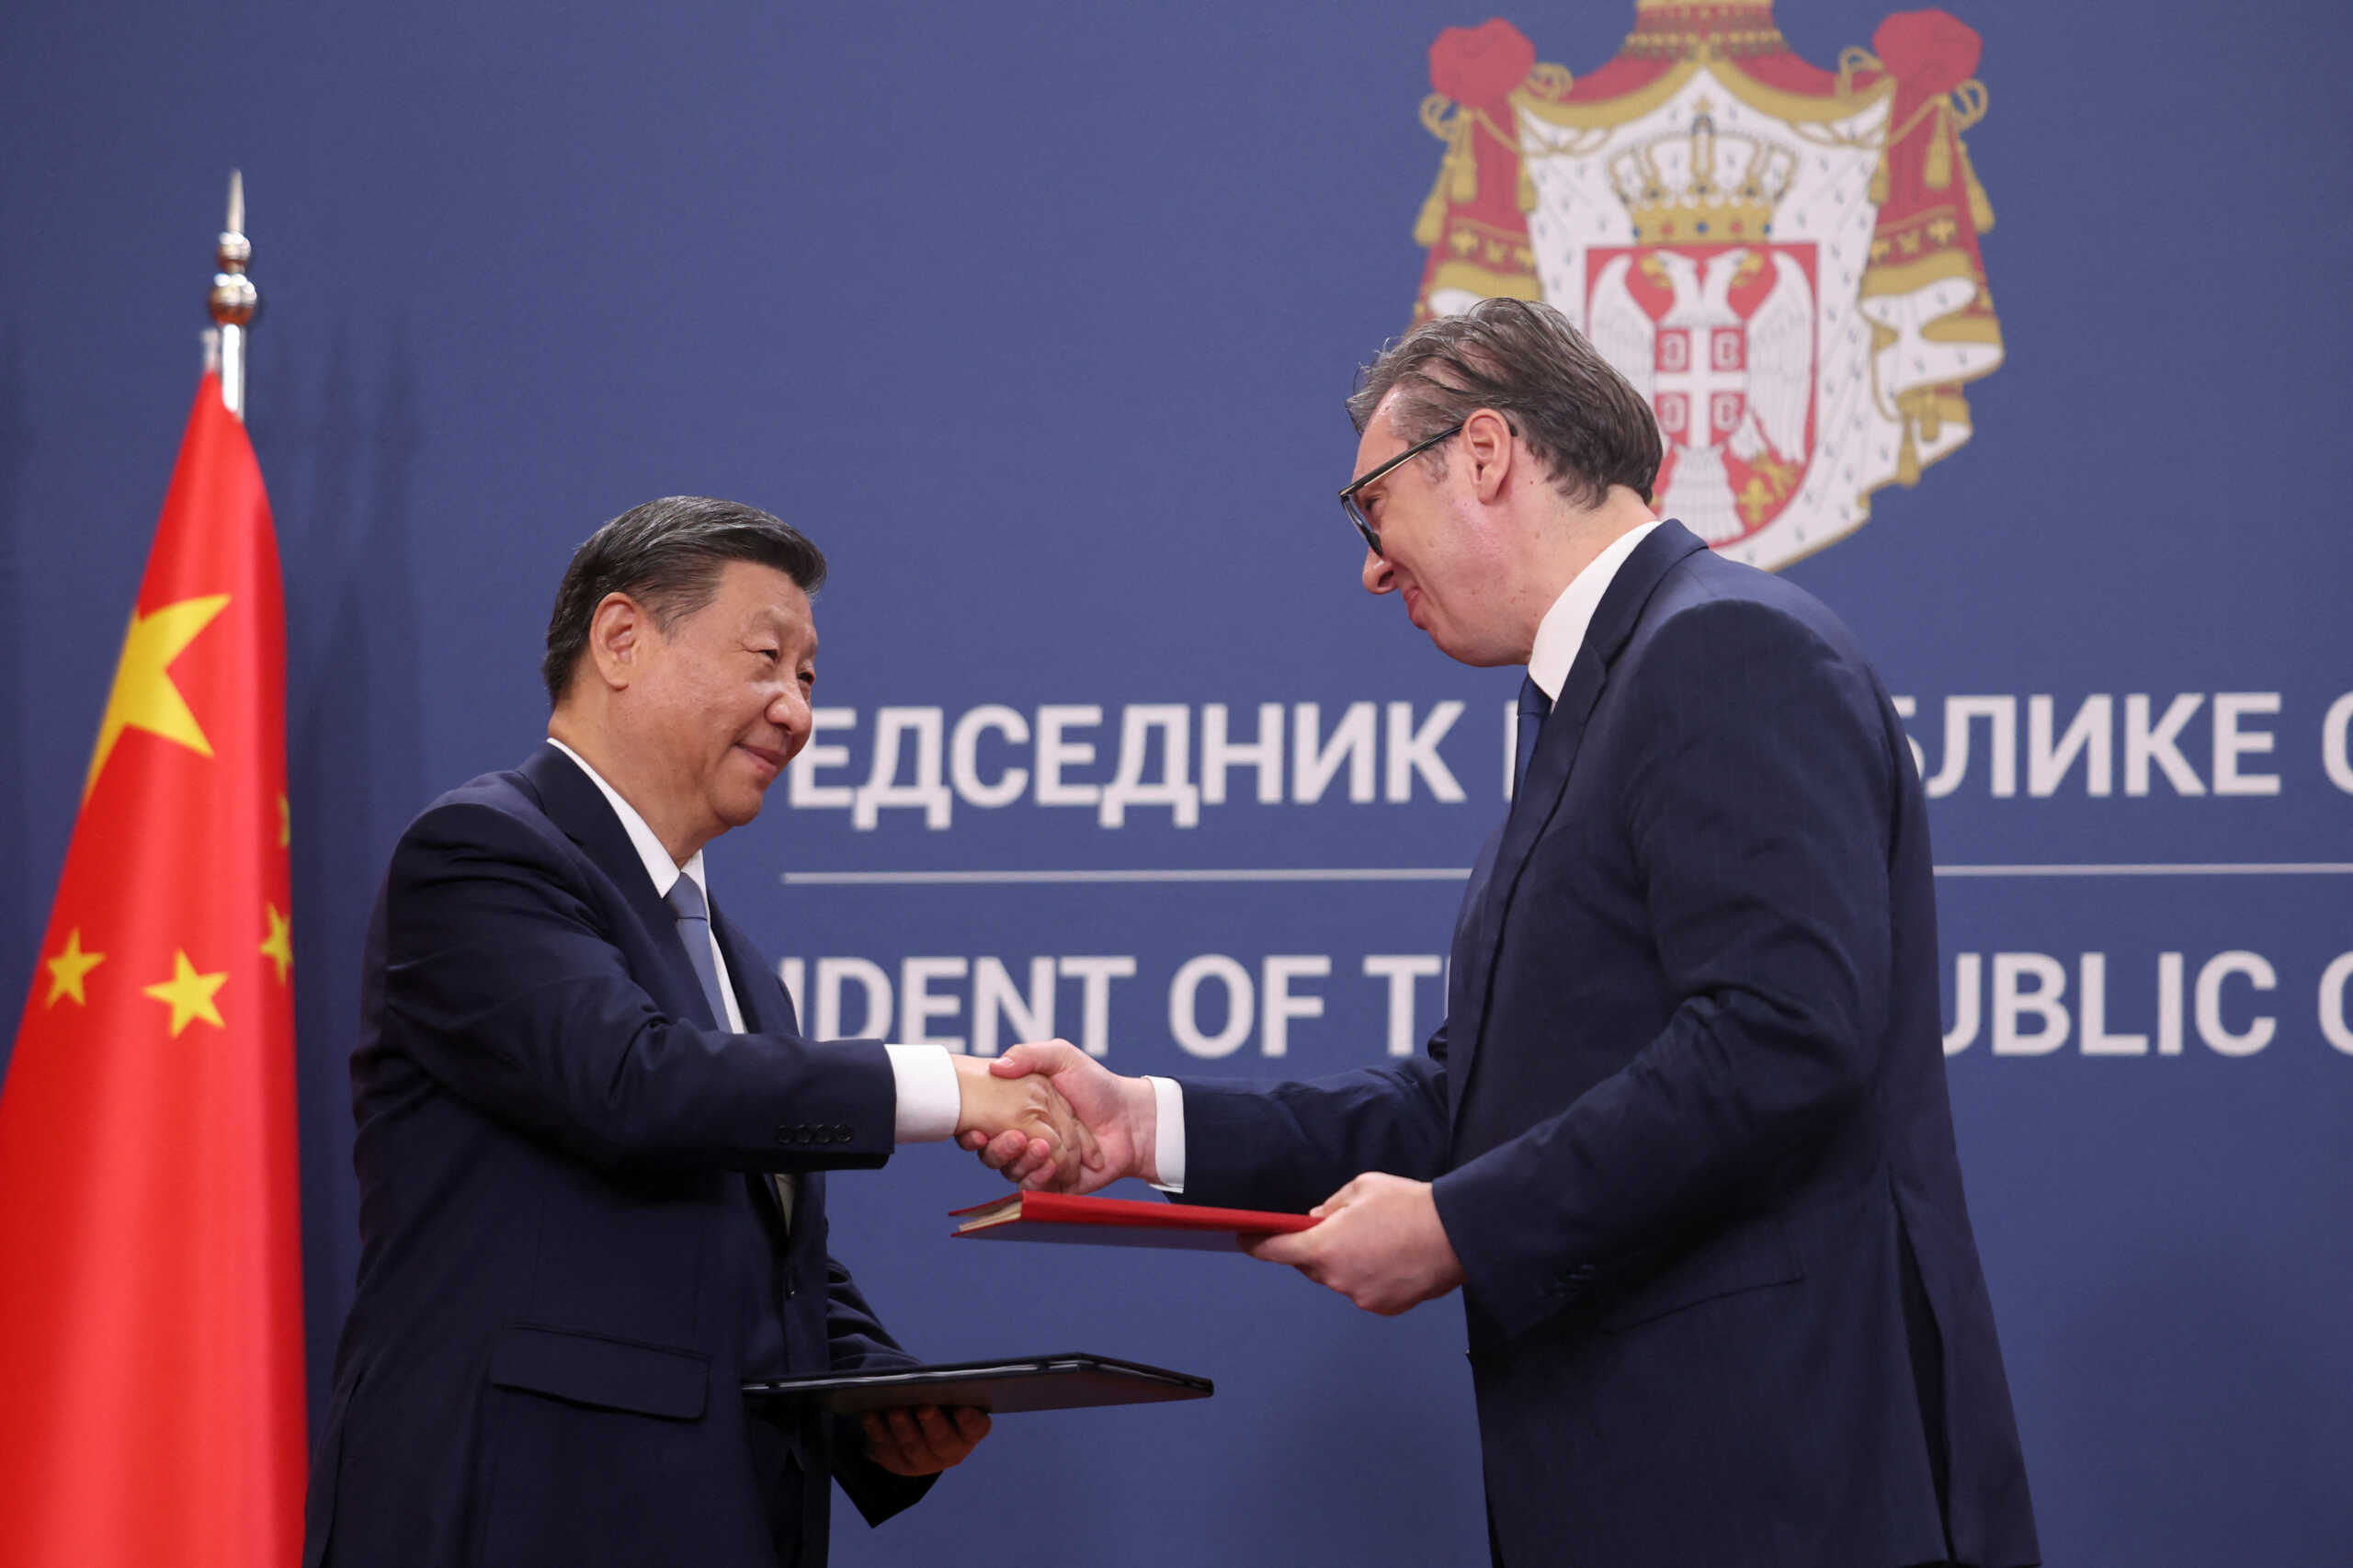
[1053, 1119]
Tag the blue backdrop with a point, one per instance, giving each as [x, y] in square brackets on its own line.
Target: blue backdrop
[1038, 317]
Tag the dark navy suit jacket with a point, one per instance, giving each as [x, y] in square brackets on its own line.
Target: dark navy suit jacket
[1687, 1117]
[567, 1251]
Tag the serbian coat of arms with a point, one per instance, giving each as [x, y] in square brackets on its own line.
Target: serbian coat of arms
[1784, 259]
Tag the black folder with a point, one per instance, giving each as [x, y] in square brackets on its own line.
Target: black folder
[1043, 1382]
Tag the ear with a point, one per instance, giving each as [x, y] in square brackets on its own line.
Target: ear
[1488, 443]
[621, 635]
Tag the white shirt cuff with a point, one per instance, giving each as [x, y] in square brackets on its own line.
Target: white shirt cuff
[1168, 1134]
[930, 1098]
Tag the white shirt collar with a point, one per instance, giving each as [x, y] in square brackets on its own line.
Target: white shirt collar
[663, 870]
[1561, 632]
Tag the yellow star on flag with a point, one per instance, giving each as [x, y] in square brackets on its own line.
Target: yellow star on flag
[278, 946]
[68, 968]
[143, 696]
[190, 993]
[285, 822]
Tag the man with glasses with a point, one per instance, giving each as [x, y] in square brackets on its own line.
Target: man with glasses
[1683, 1139]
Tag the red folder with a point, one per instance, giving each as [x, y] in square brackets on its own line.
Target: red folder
[1120, 1221]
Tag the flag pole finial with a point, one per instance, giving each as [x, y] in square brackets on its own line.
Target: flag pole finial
[234, 298]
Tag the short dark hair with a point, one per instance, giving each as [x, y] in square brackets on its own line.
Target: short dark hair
[667, 555]
[1523, 360]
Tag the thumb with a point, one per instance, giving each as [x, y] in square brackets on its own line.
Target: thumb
[1283, 1247]
[1340, 1199]
[1014, 1064]
[1035, 1056]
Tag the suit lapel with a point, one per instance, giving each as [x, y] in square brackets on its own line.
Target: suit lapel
[1479, 935]
[761, 998]
[1474, 892]
[574, 803]
[758, 993]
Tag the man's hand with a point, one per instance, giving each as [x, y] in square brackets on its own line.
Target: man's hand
[1121, 1116]
[923, 1441]
[1381, 1244]
[1026, 1117]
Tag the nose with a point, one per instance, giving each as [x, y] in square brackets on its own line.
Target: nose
[1379, 576]
[789, 713]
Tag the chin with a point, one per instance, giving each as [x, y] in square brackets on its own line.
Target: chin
[1469, 651]
[1453, 649]
[738, 807]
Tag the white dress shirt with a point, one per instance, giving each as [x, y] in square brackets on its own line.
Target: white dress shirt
[1557, 637]
[929, 1097]
[1561, 632]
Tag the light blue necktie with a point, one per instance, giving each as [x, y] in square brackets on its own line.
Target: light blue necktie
[1534, 707]
[693, 912]
[686, 901]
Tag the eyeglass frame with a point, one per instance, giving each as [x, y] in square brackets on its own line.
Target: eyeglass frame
[1348, 491]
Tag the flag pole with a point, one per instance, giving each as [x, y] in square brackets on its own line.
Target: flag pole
[234, 298]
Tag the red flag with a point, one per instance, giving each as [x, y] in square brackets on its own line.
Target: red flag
[151, 1300]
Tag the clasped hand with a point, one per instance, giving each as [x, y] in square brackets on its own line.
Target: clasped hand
[1381, 1243]
[1118, 1117]
[1028, 1118]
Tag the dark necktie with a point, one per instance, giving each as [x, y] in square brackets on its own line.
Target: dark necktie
[693, 912]
[1533, 708]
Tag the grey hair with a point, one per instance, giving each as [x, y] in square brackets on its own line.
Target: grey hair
[1522, 359]
[667, 555]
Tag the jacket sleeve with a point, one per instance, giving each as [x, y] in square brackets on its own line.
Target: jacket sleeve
[1757, 804]
[501, 983]
[857, 1341]
[1290, 1146]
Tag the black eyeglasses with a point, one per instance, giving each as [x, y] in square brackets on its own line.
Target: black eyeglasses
[1348, 491]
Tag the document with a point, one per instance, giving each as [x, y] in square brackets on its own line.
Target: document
[1120, 1221]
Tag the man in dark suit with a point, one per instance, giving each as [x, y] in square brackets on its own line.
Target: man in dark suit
[1683, 1139]
[592, 1141]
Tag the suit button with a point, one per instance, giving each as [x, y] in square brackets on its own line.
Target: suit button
[841, 1134]
[784, 1134]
